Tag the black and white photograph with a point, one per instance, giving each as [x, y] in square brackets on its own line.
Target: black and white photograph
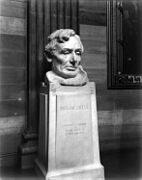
[70, 89]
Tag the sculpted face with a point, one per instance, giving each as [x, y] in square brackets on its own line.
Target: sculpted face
[67, 57]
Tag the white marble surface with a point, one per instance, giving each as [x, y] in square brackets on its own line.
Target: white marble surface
[73, 144]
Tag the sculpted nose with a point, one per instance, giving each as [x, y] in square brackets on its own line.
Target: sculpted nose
[73, 62]
[73, 59]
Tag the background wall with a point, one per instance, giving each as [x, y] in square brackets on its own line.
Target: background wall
[13, 77]
[119, 111]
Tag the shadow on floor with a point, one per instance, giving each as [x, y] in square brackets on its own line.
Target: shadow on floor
[123, 165]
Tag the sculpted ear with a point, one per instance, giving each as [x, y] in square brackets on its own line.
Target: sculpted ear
[48, 56]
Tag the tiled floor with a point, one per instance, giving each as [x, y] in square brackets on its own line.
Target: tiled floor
[124, 165]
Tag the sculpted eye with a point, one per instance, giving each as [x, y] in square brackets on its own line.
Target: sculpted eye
[78, 52]
[66, 51]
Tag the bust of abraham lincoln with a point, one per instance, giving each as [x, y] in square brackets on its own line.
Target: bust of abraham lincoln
[64, 51]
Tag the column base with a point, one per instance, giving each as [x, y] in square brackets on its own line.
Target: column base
[28, 150]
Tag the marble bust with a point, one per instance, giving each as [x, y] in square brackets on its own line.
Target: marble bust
[64, 51]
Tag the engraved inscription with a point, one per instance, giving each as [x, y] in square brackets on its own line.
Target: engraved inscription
[72, 129]
[79, 107]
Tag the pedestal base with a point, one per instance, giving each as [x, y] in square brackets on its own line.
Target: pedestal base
[88, 172]
[68, 134]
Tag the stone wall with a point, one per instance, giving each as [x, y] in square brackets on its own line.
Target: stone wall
[119, 111]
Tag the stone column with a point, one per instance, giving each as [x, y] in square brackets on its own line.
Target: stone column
[44, 16]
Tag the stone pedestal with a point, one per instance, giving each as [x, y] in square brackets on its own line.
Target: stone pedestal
[68, 134]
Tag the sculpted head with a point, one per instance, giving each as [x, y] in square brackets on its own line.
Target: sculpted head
[64, 51]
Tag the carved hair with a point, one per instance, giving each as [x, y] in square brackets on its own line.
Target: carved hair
[59, 36]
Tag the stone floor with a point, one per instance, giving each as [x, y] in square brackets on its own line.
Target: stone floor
[14, 173]
[123, 165]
